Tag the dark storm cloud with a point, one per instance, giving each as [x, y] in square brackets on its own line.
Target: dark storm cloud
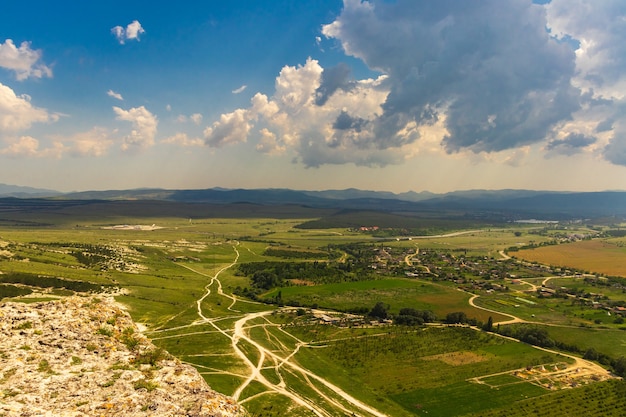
[571, 144]
[333, 78]
[491, 67]
[344, 122]
[615, 151]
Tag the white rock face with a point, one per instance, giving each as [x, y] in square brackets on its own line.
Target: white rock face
[83, 356]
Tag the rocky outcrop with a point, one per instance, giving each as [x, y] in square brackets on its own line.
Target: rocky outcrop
[84, 356]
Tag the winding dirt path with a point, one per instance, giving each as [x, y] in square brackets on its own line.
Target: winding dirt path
[239, 332]
[513, 320]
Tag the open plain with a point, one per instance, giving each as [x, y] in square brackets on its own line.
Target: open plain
[291, 321]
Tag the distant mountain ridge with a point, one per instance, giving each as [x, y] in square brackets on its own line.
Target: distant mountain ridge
[507, 203]
[7, 190]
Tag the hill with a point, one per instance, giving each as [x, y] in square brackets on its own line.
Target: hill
[500, 205]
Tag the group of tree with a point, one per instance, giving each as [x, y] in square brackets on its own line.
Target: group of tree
[40, 281]
[538, 336]
[268, 275]
[406, 316]
[413, 317]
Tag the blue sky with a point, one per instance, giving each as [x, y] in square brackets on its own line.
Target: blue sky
[382, 95]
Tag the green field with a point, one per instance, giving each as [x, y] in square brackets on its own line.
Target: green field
[178, 281]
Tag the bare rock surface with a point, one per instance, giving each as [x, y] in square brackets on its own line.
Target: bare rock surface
[84, 356]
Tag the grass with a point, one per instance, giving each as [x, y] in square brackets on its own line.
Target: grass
[611, 342]
[464, 397]
[393, 369]
[400, 367]
[607, 399]
[398, 293]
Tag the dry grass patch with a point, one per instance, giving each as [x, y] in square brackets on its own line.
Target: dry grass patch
[458, 358]
[589, 255]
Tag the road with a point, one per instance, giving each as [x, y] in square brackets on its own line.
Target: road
[513, 320]
[282, 361]
[240, 332]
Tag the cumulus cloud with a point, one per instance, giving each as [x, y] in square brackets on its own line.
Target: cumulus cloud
[291, 120]
[29, 147]
[17, 113]
[24, 61]
[131, 32]
[230, 129]
[25, 146]
[115, 95]
[182, 139]
[482, 78]
[491, 67]
[598, 30]
[268, 144]
[95, 142]
[144, 127]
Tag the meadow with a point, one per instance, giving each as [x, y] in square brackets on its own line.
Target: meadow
[178, 282]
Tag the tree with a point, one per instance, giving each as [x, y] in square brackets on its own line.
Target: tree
[489, 326]
[379, 311]
[456, 317]
[619, 366]
[591, 354]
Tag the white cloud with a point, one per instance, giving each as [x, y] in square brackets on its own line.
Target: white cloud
[131, 32]
[25, 146]
[95, 142]
[240, 89]
[17, 113]
[196, 118]
[24, 61]
[181, 139]
[29, 147]
[267, 144]
[144, 126]
[292, 121]
[458, 79]
[115, 95]
[230, 129]
[119, 33]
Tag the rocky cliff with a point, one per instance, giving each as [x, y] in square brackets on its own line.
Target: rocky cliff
[84, 356]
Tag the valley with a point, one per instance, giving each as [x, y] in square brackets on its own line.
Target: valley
[292, 321]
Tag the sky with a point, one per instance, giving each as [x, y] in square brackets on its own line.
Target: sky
[388, 95]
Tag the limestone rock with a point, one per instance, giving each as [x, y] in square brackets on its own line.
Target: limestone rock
[84, 356]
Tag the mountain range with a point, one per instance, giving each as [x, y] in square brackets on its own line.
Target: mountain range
[513, 204]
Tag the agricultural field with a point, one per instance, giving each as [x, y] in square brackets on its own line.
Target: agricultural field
[294, 321]
[603, 256]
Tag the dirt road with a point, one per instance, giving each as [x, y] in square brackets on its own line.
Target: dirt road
[339, 399]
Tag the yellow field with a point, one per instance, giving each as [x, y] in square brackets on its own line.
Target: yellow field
[596, 256]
